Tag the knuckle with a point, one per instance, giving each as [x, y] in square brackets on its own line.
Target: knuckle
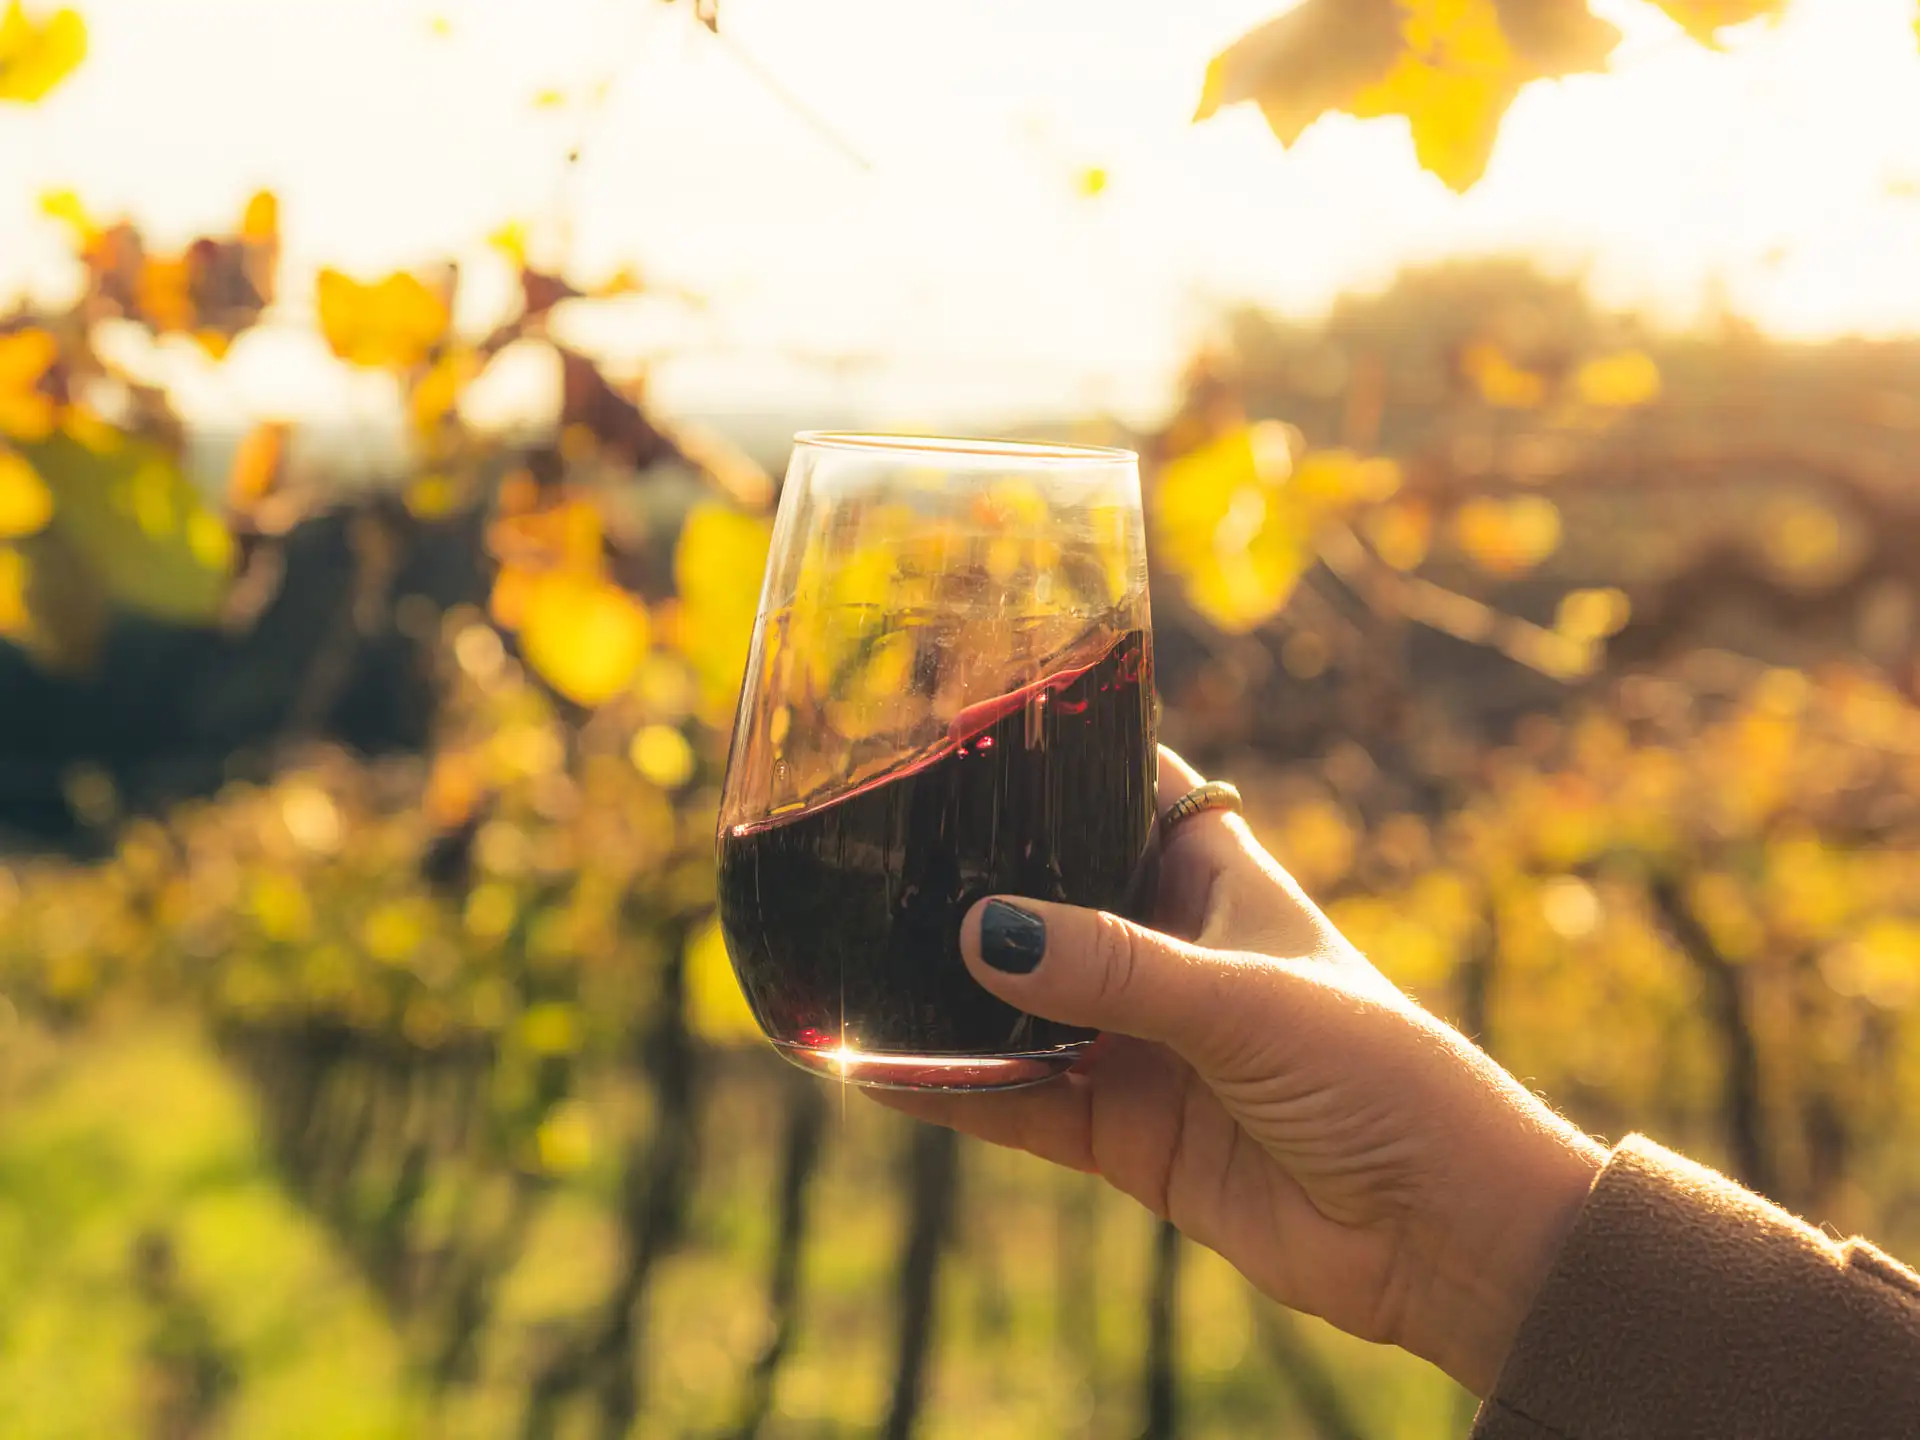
[1116, 949]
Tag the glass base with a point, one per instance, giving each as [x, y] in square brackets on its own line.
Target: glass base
[883, 1071]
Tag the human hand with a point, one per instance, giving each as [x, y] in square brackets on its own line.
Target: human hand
[1264, 1087]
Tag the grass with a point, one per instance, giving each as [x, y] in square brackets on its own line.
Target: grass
[136, 1129]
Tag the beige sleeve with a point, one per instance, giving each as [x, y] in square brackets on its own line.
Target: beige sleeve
[1683, 1305]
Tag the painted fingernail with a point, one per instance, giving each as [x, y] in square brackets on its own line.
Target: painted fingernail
[1011, 939]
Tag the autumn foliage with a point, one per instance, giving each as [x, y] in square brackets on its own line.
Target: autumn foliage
[1571, 665]
[1450, 68]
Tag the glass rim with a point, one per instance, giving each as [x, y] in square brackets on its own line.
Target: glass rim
[1039, 452]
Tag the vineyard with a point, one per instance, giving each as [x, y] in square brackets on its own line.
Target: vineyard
[370, 1062]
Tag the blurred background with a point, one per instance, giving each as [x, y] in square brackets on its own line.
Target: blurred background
[393, 396]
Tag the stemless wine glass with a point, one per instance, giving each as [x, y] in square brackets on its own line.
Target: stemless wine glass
[949, 695]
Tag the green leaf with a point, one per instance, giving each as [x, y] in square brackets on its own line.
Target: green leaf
[134, 521]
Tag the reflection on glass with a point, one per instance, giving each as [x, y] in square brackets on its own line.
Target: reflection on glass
[949, 695]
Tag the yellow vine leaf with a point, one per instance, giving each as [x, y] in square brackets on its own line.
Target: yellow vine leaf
[510, 239]
[717, 1011]
[259, 464]
[1705, 19]
[1499, 381]
[1226, 524]
[1619, 381]
[1453, 81]
[1401, 534]
[438, 390]
[583, 634]
[26, 504]
[662, 754]
[565, 532]
[15, 620]
[1302, 64]
[37, 56]
[164, 292]
[88, 428]
[260, 221]
[1805, 540]
[433, 496]
[564, 1141]
[137, 526]
[1451, 67]
[395, 323]
[1507, 537]
[717, 564]
[65, 206]
[1589, 615]
[26, 411]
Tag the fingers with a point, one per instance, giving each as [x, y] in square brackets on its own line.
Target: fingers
[1175, 778]
[1053, 1121]
[1086, 967]
[1218, 885]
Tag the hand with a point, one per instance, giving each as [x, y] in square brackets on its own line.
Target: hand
[1261, 1085]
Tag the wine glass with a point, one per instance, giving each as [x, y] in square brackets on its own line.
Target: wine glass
[949, 695]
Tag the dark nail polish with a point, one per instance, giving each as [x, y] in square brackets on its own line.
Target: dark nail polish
[1011, 939]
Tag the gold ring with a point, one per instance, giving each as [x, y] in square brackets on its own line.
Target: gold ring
[1214, 795]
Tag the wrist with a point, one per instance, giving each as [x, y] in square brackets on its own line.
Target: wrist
[1506, 1231]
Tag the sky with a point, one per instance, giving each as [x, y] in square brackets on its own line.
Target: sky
[876, 202]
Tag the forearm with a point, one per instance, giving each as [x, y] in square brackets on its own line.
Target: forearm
[1498, 1240]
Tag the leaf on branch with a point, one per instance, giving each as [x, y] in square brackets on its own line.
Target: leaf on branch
[1401, 534]
[37, 56]
[436, 395]
[510, 239]
[1589, 615]
[56, 607]
[1451, 67]
[211, 291]
[717, 564]
[15, 620]
[1556, 38]
[138, 525]
[259, 466]
[1453, 81]
[1237, 519]
[716, 1009]
[390, 324]
[1619, 381]
[25, 502]
[1501, 382]
[66, 207]
[1705, 19]
[117, 527]
[260, 221]
[662, 754]
[1302, 64]
[583, 634]
[26, 407]
[1507, 537]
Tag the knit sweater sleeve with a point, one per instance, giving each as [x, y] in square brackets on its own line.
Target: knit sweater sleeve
[1683, 1305]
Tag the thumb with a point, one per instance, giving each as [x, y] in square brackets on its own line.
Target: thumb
[1087, 967]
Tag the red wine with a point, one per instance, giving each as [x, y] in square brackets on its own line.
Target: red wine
[843, 918]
